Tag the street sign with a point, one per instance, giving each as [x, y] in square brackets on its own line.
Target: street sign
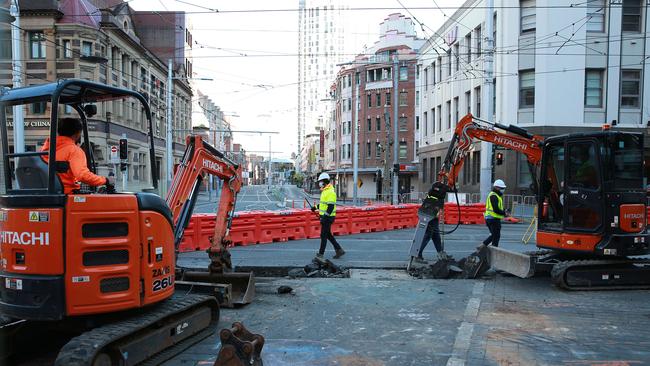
[114, 156]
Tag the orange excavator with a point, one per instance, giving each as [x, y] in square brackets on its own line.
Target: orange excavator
[103, 265]
[591, 201]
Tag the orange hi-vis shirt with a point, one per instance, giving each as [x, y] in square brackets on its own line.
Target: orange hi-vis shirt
[68, 151]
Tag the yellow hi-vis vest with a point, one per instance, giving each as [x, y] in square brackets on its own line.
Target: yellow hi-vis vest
[489, 212]
[327, 197]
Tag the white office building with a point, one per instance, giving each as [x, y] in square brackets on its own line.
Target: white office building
[320, 49]
[559, 67]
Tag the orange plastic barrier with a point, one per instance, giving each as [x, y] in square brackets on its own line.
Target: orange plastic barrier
[259, 227]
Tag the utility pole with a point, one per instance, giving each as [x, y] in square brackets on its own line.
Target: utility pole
[269, 174]
[355, 149]
[170, 157]
[17, 63]
[486, 147]
[395, 128]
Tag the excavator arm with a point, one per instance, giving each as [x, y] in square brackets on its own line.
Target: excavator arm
[470, 129]
[201, 159]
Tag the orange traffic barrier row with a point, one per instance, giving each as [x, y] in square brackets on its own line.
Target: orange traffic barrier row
[260, 227]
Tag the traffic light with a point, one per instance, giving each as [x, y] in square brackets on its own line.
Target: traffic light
[124, 149]
[499, 158]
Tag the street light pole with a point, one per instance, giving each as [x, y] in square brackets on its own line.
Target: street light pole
[19, 125]
[395, 136]
[169, 142]
[488, 107]
[355, 150]
[269, 175]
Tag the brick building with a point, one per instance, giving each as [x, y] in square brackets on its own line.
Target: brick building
[64, 39]
[371, 73]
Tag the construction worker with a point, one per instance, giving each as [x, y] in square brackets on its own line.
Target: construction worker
[68, 151]
[494, 212]
[432, 233]
[327, 213]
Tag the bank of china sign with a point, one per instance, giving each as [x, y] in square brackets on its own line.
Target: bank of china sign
[32, 124]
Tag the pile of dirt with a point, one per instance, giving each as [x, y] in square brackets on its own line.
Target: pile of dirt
[473, 266]
[320, 268]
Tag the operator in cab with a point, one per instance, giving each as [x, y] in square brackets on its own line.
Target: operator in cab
[327, 214]
[494, 212]
[74, 168]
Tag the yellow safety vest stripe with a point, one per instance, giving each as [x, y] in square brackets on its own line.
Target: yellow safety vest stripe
[489, 211]
[327, 197]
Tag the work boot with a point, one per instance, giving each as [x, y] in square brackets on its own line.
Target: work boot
[481, 246]
[339, 253]
[443, 256]
[319, 257]
[419, 259]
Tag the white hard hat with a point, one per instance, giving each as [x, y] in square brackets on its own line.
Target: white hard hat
[323, 176]
[499, 184]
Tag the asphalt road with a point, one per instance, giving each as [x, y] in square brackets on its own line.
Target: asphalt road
[252, 198]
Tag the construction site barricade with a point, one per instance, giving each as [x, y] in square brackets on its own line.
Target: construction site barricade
[245, 228]
[282, 226]
[188, 242]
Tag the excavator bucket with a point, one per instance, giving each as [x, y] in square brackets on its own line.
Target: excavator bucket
[230, 288]
[239, 347]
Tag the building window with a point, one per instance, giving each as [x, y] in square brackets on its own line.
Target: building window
[523, 172]
[417, 97]
[449, 114]
[424, 170]
[466, 170]
[403, 73]
[369, 98]
[449, 62]
[403, 99]
[439, 118]
[38, 108]
[527, 11]
[115, 54]
[631, 15]
[37, 44]
[403, 124]
[378, 121]
[417, 122]
[357, 78]
[368, 150]
[417, 71]
[432, 170]
[439, 69]
[403, 151]
[387, 98]
[476, 167]
[426, 123]
[468, 102]
[457, 56]
[630, 88]
[596, 16]
[479, 40]
[426, 78]
[86, 48]
[378, 100]
[369, 123]
[377, 150]
[433, 120]
[67, 48]
[477, 100]
[594, 88]
[456, 109]
[527, 89]
[468, 45]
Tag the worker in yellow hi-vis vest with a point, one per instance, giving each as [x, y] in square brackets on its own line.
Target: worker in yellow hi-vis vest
[327, 213]
[494, 212]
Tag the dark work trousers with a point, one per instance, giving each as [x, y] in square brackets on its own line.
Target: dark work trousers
[432, 233]
[494, 225]
[326, 234]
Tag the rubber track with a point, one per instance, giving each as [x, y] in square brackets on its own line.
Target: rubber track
[81, 350]
[558, 273]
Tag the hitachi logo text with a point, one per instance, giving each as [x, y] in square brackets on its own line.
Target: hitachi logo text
[212, 165]
[24, 238]
[633, 216]
[511, 143]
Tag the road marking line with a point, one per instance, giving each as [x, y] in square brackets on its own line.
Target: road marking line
[466, 328]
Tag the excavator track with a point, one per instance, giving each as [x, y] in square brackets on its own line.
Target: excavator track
[160, 333]
[602, 274]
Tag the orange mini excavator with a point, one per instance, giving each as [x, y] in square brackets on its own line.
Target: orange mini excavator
[102, 265]
[591, 201]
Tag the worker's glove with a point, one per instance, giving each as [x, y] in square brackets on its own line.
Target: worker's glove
[313, 209]
[110, 181]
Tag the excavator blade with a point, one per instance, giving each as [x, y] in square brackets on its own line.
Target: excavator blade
[231, 288]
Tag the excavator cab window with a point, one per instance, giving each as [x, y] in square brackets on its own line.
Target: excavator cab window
[584, 205]
[552, 185]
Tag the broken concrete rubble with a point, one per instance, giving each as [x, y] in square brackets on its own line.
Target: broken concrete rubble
[473, 266]
[323, 268]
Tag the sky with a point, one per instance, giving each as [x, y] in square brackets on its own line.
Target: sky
[252, 56]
